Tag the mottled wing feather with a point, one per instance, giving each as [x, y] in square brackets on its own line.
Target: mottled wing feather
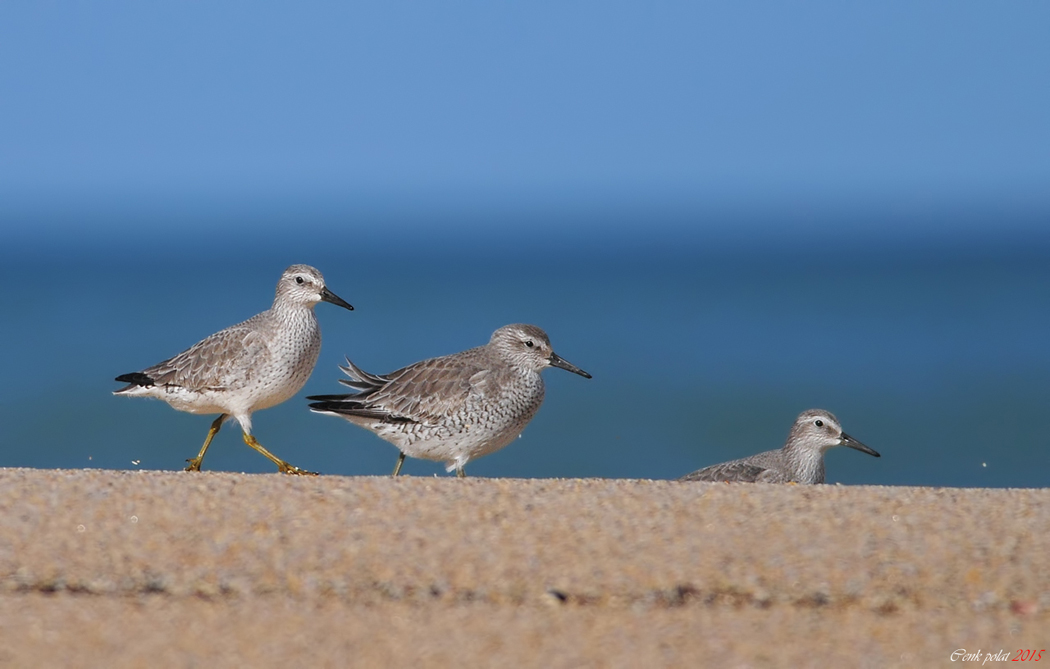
[736, 471]
[773, 476]
[224, 359]
[424, 392]
[427, 391]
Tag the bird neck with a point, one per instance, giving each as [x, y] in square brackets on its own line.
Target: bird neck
[806, 463]
[298, 318]
[286, 308]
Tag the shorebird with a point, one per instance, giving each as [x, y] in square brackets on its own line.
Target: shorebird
[455, 408]
[801, 460]
[247, 367]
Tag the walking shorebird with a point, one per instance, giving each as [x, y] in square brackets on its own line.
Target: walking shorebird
[455, 408]
[247, 367]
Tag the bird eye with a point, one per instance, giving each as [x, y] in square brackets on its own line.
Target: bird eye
[819, 423]
[299, 280]
[528, 343]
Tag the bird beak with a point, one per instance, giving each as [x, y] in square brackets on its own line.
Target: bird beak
[329, 296]
[557, 361]
[856, 445]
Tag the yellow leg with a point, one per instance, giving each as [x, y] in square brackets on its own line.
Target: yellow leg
[195, 463]
[282, 466]
[460, 474]
[400, 461]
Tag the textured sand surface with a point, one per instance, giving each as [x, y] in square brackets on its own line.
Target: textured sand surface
[102, 568]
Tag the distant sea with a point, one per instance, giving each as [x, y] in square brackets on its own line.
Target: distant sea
[938, 357]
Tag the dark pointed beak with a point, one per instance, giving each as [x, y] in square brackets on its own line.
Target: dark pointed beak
[856, 445]
[329, 296]
[557, 361]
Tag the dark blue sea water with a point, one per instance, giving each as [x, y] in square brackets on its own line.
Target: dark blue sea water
[935, 355]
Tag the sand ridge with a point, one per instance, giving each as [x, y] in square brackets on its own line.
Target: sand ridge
[591, 571]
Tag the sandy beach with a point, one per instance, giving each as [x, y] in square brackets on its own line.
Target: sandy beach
[144, 568]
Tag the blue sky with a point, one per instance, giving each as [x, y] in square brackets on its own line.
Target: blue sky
[469, 109]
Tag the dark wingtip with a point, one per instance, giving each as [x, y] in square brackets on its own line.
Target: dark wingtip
[324, 404]
[343, 408]
[326, 398]
[135, 378]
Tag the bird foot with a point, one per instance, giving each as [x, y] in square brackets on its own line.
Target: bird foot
[286, 468]
[194, 466]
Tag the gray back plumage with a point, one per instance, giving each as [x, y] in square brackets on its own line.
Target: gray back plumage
[428, 391]
[769, 467]
[222, 360]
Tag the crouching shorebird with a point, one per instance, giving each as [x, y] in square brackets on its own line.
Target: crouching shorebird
[455, 408]
[801, 460]
[247, 367]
